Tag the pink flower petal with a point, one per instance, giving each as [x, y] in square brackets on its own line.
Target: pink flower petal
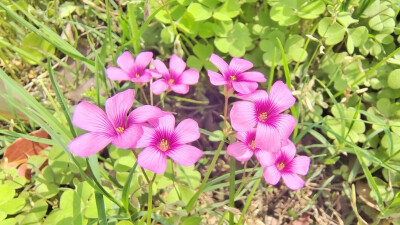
[160, 67]
[126, 62]
[180, 88]
[288, 149]
[90, 117]
[146, 77]
[89, 144]
[144, 113]
[242, 135]
[176, 65]
[159, 86]
[153, 159]
[239, 151]
[166, 124]
[147, 138]
[117, 107]
[268, 138]
[253, 76]
[189, 77]
[265, 157]
[285, 123]
[154, 73]
[216, 78]
[129, 137]
[187, 131]
[143, 59]
[219, 63]
[255, 96]
[115, 73]
[244, 87]
[272, 175]
[293, 181]
[243, 116]
[281, 97]
[240, 65]
[185, 155]
[301, 164]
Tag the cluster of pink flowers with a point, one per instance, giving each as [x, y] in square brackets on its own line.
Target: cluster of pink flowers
[145, 127]
[176, 78]
[261, 127]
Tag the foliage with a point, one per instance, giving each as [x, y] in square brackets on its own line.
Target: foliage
[343, 58]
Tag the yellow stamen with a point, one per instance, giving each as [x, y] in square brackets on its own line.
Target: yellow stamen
[263, 116]
[163, 145]
[137, 75]
[252, 145]
[280, 166]
[120, 129]
[233, 77]
[171, 81]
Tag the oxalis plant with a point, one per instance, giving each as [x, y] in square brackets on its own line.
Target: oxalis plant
[255, 125]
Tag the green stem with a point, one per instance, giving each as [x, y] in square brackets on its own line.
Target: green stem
[150, 200]
[232, 165]
[246, 206]
[192, 201]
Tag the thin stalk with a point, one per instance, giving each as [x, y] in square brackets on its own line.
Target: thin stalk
[143, 171]
[150, 200]
[232, 168]
[192, 201]
[246, 206]
[144, 94]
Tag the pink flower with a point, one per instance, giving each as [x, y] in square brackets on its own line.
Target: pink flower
[166, 140]
[176, 79]
[287, 167]
[245, 148]
[234, 75]
[264, 112]
[130, 69]
[114, 127]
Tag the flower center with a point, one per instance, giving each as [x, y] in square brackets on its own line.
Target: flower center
[281, 166]
[233, 77]
[263, 116]
[137, 75]
[120, 129]
[171, 81]
[163, 145]
[252, 145]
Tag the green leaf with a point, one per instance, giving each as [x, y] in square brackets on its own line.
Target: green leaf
[383, 106]
[312, 10]
[180, 192]
[222, 44]
[47, 190]
[3, 215]
[229, 9]
[345, 19]
[206, 30]
[359, 35]
[167, 35]
[66, 9]
[36, 46]
[188, 24]
[393, 79]
[6, 194]
[284, 15]
[199, 11]
[331, 31]
[13, 206]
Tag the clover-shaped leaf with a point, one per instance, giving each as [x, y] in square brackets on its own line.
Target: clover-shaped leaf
[331, 31]
[236, 42]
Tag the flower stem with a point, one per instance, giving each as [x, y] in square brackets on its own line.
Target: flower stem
[144, 94]
[193, 200]
[249, 199]
[150, 200]
[144, 172]
[232, 168]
